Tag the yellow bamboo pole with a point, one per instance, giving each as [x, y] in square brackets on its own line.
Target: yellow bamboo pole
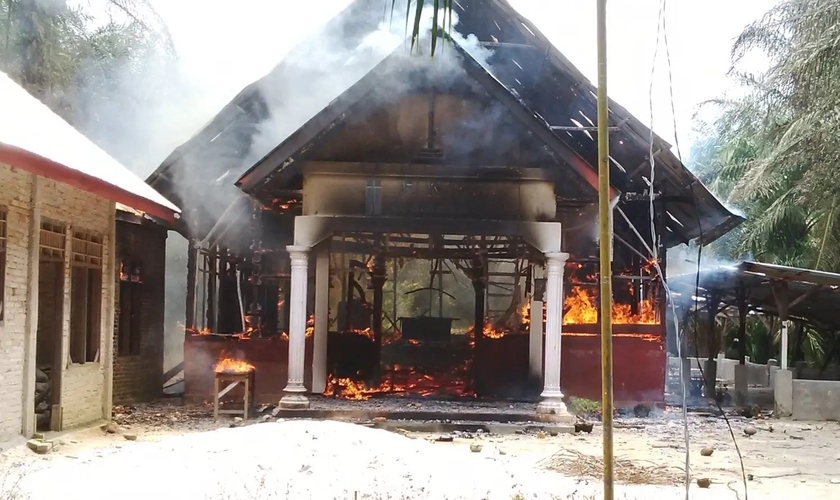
[605, 238]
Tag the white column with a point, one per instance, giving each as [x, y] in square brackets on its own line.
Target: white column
[552, 408]
[295, 398]
[535, 345]
[784, 360]
[322, 311]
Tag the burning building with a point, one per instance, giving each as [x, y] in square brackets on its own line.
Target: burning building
[478, 168]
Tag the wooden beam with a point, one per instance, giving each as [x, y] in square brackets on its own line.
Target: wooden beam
[424, 171]
[792, 274]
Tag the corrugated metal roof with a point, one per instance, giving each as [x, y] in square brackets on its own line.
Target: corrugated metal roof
[544, 83]
[811, 296]
[27, 124]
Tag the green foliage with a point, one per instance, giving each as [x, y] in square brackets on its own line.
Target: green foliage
[67, 57]
[584, 407]
[773, 152]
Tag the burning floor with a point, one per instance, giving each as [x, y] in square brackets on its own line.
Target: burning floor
[425, 356]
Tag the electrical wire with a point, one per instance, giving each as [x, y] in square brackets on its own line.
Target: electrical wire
[662, 24]
[660, 30]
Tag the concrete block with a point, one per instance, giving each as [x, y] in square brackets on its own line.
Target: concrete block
[38, 446]
[741, 384]
[710, 378]
[816, 400]
[685, 366]
[783, 393]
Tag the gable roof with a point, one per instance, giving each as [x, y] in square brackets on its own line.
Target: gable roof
[285, 156]
[536, 83]
[35, 139]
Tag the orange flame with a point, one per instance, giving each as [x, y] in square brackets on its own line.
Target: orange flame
[402, 381]
[581, 309]
[310, 328]
[233, 366]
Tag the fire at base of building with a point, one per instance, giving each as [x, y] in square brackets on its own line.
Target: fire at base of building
[438, 354]
[356, 256]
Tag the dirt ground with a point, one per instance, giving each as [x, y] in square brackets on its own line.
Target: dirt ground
[782, 460]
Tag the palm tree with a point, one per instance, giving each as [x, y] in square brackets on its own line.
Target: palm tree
[774, 151]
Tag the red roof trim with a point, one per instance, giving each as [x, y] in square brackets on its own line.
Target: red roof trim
[37, 164]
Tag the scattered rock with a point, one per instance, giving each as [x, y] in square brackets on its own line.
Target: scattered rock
[750, 430]
[798, 438]
[502, 452]
[110, 427]
[265, 418]
[552, 433]
[444, 439]
[475, 448]
[584, 427]
[704, 482]
[707, 451]
[641, 411]
[379, 420]
[750, 477]
[38, 446]
[237, 419]
[130, 437]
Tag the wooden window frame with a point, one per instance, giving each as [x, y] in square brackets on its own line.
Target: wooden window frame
[86, 260]
[129, 328]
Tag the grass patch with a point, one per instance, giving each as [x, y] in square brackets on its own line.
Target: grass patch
[583, 407]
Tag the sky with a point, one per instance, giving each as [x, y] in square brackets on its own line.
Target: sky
[227, 45]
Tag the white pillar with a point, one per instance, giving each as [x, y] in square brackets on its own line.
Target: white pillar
[552, 408]
[322, 311]
[784, 360]
[295, 398]
[535, 344]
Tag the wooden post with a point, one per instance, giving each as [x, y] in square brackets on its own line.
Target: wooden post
[742, 326]
[222, 272]
[378, 278]
[479, 287]
[212, 272]
[192, 269]
[711, 336]
[782, 305]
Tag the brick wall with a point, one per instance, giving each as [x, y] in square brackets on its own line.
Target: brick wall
[15, 197]
[137, 377]
[83, 390]
[82, 385]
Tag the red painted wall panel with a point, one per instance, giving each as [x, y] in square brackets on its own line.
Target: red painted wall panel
[270, 358]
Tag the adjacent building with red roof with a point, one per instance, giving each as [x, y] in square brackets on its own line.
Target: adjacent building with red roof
[59, 194]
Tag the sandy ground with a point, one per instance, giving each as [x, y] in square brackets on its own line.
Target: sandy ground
[188, 456]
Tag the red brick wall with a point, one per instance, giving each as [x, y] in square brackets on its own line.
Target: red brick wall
[137, 377]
